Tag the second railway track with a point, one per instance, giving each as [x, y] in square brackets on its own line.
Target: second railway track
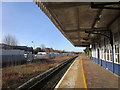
[49, 79]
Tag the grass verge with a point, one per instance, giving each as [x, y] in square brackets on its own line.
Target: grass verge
[14, 76]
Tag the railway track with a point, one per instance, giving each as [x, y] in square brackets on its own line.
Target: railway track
[48, 79]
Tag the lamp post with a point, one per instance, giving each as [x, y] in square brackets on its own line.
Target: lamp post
[33, 46]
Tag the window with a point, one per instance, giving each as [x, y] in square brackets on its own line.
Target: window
[108, 58]
[117, 53]
[104, 54]
[96, 53]
[110, 55]
[93, 53]
[101, 54]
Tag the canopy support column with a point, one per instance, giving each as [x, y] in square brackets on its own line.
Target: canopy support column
[111, 42]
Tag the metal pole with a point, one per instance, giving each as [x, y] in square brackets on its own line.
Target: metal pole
[98, 55]
[105, 53]
[111, 42]
[33, 46]
[113, 57]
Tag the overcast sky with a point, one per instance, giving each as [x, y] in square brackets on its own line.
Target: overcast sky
[28, 23]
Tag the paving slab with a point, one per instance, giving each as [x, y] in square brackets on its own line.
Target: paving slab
[97, 76]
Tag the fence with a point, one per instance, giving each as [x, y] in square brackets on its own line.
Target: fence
[12, 57]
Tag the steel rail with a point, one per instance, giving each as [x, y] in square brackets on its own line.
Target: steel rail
[42, 79]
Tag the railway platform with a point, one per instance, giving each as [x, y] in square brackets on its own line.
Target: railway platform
[84, 73]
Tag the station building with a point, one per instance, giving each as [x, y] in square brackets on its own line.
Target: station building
[106, 52]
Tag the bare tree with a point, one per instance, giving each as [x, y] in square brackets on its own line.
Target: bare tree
[10, 40]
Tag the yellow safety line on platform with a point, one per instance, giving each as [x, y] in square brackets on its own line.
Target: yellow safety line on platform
[85, 85]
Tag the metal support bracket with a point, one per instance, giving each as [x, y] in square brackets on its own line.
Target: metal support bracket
[106, 5]
[109, 35]
[105, 33]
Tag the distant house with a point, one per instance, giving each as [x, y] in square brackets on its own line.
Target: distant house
[4, 46]
[8, 47]
[49, 50]
[23, 48]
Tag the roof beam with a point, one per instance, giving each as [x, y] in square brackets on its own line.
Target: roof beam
[65, 5]
[104, 3]
[81, 45]
[81, 30]
[78, 37]
[97, 18]
[71, 31]
[113, 20]
[107, 5]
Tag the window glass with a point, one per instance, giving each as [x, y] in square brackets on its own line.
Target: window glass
[104, 53]
[116, 53]
[108, 55]
[101, 53]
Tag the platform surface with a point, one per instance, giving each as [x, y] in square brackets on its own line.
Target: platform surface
[74, 77]
[84, 73]
[97, 76]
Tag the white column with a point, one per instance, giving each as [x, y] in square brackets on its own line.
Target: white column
[106, 54]
[96, 53]
[92, 53]
[114, 52]
[103, 54]
[119, 54]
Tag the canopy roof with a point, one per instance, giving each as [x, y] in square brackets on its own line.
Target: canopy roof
[73, 19]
